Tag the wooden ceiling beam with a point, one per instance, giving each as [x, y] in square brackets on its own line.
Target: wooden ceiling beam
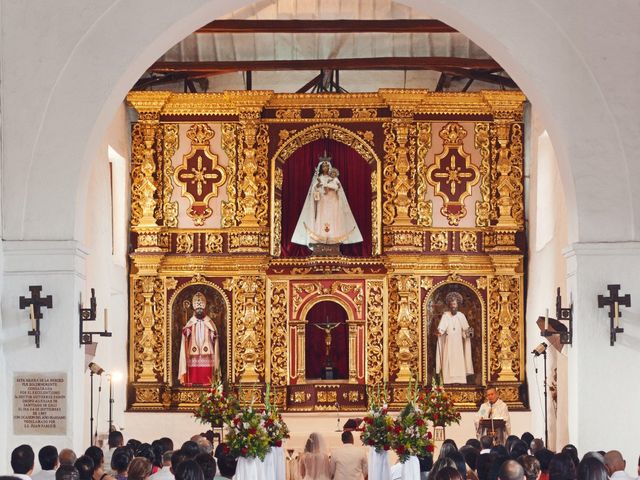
[326, 26]
[379, 63]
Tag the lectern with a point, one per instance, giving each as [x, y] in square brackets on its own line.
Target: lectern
[494, 427]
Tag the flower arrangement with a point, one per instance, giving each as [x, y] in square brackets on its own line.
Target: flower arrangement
[217, 405]
[378, 428]
[438, 405]
[247, 435]
[410, 431]
[273, 423]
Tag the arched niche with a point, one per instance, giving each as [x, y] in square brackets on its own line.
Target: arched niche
[326, 312]
[473, 307]
[289, 188]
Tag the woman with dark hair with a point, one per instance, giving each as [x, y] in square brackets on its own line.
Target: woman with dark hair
[120, 462]
[97, 456]
[449, 473]
[518, 449]
[133, 444]
[494, 469]
[483, 464]
[157, 447]
[509, 442]
[139, 468]
[531, 467]
[562, 467]
[470, 455]
[207, 464]
[447, 447]
[189, 470]
[85, 467]
[458, 459]
[439, 465]
[592, 469]
[573, 452]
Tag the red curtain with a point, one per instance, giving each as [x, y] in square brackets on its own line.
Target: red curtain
[315, 349]
[355, 177]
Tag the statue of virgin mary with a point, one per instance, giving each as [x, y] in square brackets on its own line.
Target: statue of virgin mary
[326, 217]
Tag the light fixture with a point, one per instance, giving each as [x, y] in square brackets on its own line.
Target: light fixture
[540, 349]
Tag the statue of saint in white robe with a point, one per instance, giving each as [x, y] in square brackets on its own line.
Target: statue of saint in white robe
[453, 352]
[326, 217]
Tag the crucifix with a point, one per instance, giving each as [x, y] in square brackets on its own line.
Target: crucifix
[327, 327]
[35, 302]
[614, 301]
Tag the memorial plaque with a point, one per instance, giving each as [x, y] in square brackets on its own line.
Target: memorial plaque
[40, 403]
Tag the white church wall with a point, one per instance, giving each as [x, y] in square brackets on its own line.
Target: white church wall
[68, 64]
[106, 243]
[546, 271]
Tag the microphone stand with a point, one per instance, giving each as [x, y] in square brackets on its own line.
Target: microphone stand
[110, 403]
[546, 424]
[91, 409]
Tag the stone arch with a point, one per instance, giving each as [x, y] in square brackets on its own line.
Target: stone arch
[53, 177]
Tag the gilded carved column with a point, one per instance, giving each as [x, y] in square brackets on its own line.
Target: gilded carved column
[147, 328]
[353, 352]
[278, 312]
[300, 354]
[399, 207]
[504, 321]
[404, 352]
[249, 320]
[507, 112]
[375, 332]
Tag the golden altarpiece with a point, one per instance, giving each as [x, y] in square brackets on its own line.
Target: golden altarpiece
[436, 183]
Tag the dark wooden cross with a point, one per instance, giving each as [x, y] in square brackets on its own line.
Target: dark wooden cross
[38, 302]
[614, 301]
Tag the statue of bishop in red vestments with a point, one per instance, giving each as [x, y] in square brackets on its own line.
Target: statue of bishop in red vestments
[199, 352]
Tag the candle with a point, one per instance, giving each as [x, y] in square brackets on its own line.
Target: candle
[106, 321]
[33, 317]
[616, 314]
[546, 321]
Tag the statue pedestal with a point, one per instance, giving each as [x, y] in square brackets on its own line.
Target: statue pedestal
[328, 373]
[325, 249]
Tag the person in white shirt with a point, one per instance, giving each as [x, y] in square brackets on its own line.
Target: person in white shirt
[494, 408]
[22, 462]
[165, 472]
[348, 462]
[615, 465]
[48, 458]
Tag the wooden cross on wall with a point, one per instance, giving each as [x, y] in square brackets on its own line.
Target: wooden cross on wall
[38, 302]
[614, 301]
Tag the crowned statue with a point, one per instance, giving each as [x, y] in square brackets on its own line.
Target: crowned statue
[326, 218]
[199, 352]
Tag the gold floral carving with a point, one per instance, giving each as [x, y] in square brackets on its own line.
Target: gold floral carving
[367, 136]
[249, 338]
[404, 330]
[482, 143]
[468, 242]
[439, 241]
[248, 241]
[424, 214]
[279, 301]
[288, 113]
[143, 169]
[399, 171]
[507, 177]
[353, 291]
[326, 113]
[147, 326]
[200, 169]
[184, 243]
[364, 113]
[283, 135]
[324, 396]
[426, 283]
[277, 228]
[301, 291]
[170, 145]
[509, 394]
[481, 283]
[213, 243]
[299, 397]
[375, 332]
[504, 320]
[229, 145]
[252, 176]
[147, 395]
[452, 174]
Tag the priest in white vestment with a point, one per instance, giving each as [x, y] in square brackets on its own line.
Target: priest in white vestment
[493, 408]
[453, 350]
[326, 217]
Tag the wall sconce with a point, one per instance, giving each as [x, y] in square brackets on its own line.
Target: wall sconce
[35, 302]
[553, 326]
[89, 315]
[614, 301]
